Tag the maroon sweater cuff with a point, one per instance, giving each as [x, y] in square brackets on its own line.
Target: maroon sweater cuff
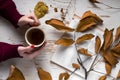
[8, 10]
[8, 51]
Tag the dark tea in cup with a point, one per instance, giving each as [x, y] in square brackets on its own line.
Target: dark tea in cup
[35, 36]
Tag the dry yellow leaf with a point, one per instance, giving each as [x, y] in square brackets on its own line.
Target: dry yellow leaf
[97, 44]
[59, 25]
[108, 39]
[118, 76]
[64, 42]
[102, 78]
[40, 9]
[117, 35]
[76, 66]
[64, 76]
[108, 68]
[44, 75]
[90, 14]
[15, 74]
[108, 56]
[86, 24]
[84, 37]
[84, 52]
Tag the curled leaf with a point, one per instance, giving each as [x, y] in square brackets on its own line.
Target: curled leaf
[102, 78]
[118, 75]
[64, 42]
[97, 44]
[43, 75]
[88, 14]
[76, 66]
[59, 25]
[108, 68]
[15, 74]
[40, 9]
[84, 52]
[84, 37]
[117, 35]
[64, 76]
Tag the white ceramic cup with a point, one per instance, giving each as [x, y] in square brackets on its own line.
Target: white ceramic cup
[35, 36]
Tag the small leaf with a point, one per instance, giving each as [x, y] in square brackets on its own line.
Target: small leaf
[76, 66]
[117, 34]
[64, 76]
[59, 25]
[15, 74]
[118, 75]
[64, 42]
[40, 9]
[43, 75]
[102, 78]
[84, 37]
[97, 44]
[84, 52]
[108, 68]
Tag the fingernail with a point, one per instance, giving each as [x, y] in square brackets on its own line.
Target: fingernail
[32, 46]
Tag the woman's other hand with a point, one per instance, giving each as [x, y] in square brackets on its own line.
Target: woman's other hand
[30, 19]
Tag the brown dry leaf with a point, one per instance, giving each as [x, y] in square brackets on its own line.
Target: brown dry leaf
[88, 21]
[76, 66]
[84, 37]
[64, 42]
[108, 68]
[118, 76]
[94, 1]
[108, 56]
[97, 44]
[43, 75]
[108, 39]
[84, 52]
[64, 76]
[117, 35]
[102, 78]
[90, 14]
[86, 24]
[15, 74]
[40, 9]
[59, 25]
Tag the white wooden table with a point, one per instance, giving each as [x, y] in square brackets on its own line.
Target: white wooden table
[11, 35]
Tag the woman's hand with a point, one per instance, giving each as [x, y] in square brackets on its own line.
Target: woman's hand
[30, 19]
[29, 52]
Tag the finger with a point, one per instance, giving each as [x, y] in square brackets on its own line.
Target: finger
[28, 49]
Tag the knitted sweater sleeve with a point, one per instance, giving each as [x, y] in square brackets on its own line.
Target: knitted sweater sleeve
[8, 10]
[8, 51]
